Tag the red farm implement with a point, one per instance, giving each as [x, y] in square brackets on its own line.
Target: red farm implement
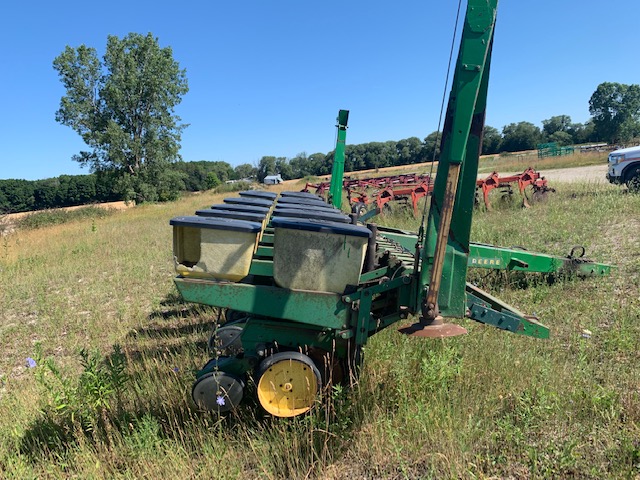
[362, 193]
[529, 178]
[395, 192]
[322, 188]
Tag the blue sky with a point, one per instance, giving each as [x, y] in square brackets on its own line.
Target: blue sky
[268, 77]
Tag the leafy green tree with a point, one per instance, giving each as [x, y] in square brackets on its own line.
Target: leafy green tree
[520, 136]
[5, 205]
[85, 188]
[123, 108]
[223, 170]
[432, 145]
[561, 138]
[244, 170]
[266, 167]
[378, 154]
[558, 123]
[491, 140]
[409, 150]
[196, 174]
[283, 168]
[212, 180]
[615, 108]
[353, 160]
[106, 186]
[582, 132]
[19, 194]
[46, 193]
[301, 166]
[151, 184]
[320, 162]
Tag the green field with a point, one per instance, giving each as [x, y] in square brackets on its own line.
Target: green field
[486, 405]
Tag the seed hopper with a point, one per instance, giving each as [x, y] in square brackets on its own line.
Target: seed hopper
[305, 286]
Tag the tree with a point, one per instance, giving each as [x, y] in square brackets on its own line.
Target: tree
[212, 180]
[266, 167]
[520, 136]
[19, 195]
[301, 166]
[558, 123]
[45, 193]
[561, 138]
[615, 109]
[284, 168]
[320, 162]
[582, 132]
[491, 140]
[123, 108]
[409, 151]
[431, 147]
[244, 170]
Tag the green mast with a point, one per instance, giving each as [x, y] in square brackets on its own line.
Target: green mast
[446, 250]
[337, 172]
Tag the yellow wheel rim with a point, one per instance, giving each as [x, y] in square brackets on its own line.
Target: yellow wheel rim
[288, 387]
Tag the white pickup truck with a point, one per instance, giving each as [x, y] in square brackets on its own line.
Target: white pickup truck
[624, 167]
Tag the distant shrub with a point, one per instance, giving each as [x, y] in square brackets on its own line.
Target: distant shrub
[232, 187]
[310, 179]
[212, 180]
[47, 218]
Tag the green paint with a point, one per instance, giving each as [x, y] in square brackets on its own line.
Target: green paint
[460, 145]
[337, 171]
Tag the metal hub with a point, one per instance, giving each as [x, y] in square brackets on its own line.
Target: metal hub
[288, 385]
[218, 391]
[226, 340]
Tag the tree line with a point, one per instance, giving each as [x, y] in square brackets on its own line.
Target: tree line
[514, 137]
[123, 107]
[72, 190]
[63, 191]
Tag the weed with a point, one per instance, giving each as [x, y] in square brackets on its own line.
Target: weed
[46, 218]
[232, 187]
[85, 402]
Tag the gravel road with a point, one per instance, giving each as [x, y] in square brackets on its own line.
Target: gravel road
[593, 174]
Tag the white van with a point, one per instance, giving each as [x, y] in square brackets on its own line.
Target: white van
[624, 167]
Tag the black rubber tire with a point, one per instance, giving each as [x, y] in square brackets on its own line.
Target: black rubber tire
[633, 180]
[359, 208]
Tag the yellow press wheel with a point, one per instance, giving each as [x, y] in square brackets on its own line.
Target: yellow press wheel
[288, 384]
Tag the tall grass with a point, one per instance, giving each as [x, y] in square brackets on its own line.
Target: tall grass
[488, 404]
[46, 218]
[503, 163]
[518, 162]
